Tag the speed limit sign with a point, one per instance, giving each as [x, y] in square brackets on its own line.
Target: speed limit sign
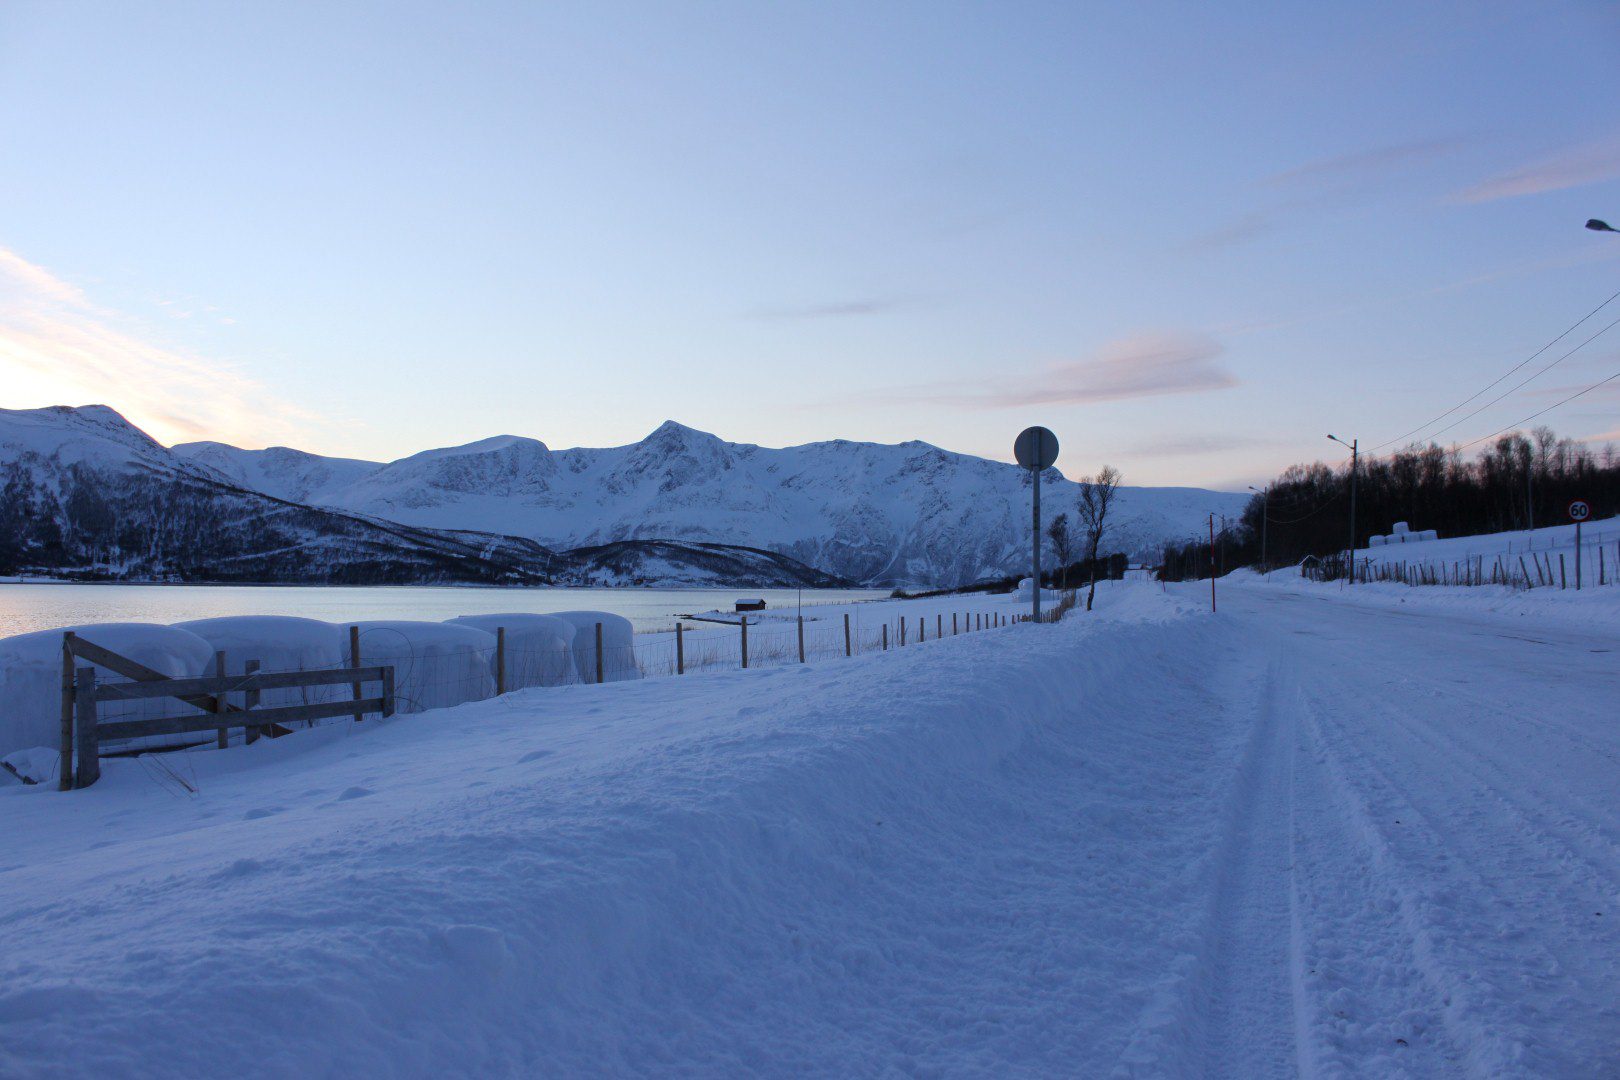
[1579, 511]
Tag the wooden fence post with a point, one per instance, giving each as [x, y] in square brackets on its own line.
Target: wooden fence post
[745, 641]
[89, 741]
[939, 624]
[500, 660]
[1526, 574]
[601, 668]
[354, 662]
[251, 701]
[954, 630]
[849, 649]
[219, 699]
[64, 768]
[1562, 581]
[680, 651]
[922, 628]
[902, 631]
[885, 637]
[801, 639]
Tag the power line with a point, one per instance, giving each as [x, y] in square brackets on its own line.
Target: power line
[1504, 375]
[1548, 409]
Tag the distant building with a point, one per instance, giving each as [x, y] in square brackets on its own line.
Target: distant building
[751, 605]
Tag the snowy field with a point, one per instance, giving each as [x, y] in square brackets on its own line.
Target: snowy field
[1323, 832]
[1514, 549]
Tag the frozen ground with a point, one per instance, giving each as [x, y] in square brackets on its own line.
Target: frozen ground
[1319, 833]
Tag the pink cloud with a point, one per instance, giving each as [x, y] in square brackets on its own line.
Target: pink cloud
[1577, 166]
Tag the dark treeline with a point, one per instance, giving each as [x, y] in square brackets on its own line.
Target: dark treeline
[1520, 478]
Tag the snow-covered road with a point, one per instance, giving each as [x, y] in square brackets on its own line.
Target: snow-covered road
[1435, 822]
[1316, 834]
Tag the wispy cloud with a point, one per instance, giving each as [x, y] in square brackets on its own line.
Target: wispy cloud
[1375, 164]
[1576, 166]
[876, 305]
[1190, 445]
[1326, 184]
[1148, 365]
[57, 347]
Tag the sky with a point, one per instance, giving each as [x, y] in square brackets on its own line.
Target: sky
[1190, 238]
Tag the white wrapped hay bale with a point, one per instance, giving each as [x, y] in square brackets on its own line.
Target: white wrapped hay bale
[278, 643]
[539, 648]
[31, 677]
[618, 645]
[1375, 541]
[436, 665]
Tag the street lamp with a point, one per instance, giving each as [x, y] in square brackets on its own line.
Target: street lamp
[1265, 518]
[1350, 553]
[1600, 226]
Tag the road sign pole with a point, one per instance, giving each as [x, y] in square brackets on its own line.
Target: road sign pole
[1036, 602]
[1035, 449]
[1577, 556]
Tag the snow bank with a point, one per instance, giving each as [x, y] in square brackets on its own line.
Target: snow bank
[31, 676]
[539, 648]
[435, 664]
[278, 643]
[618, 645]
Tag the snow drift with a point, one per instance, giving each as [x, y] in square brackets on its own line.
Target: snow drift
[539, 648]
[618, 645]
[435, 664]
[31, 676]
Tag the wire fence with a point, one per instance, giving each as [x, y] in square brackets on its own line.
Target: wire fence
[1587, 566]
[434, 674]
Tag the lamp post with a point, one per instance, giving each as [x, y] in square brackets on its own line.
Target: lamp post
[1600, 226]
[1265, 519]
[1350, 552]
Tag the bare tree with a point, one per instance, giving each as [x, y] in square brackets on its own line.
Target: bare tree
[1057, 530]
[1096, 500]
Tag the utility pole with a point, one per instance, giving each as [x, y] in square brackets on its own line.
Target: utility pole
[1265, 520]
[1350, 552]
[1212, 563]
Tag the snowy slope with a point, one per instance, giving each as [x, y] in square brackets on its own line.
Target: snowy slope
[1149, 842]
[84, 492]
[880, 514]
[278, 470]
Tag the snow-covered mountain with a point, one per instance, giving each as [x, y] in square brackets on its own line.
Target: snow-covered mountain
[882, 514]
[85, 493]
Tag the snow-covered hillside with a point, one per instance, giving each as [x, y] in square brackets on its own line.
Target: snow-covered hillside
[880, 514]
[84, 492]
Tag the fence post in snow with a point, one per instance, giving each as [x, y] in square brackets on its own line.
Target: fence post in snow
[1523, 570]
[902, 630]
[848, 647]
[745, 641]
[801, 639]
[64, 768]
[89, 742]
[680, 651]
[219, 699]
[954, 631]
[922, 628]
[250, 701]
[1563, 582]
[500, 660]
[885, 637]
[939, 624]
[354, 662]
[600, 667]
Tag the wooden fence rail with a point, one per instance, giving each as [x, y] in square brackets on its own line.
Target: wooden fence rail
[82, 695]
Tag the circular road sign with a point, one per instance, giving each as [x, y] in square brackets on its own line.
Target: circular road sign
[1036, 448]
[1579, 511]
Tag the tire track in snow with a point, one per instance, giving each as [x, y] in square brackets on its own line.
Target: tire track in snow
[1231, 1011]
[1473, 891]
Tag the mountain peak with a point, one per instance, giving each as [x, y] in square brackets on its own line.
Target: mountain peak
[670, 431]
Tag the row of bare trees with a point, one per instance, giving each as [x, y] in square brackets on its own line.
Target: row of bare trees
[1521, 479]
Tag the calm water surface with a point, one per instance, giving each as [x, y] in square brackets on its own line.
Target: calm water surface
[25, 607]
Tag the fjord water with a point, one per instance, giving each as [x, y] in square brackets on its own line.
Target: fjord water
[42, 606]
